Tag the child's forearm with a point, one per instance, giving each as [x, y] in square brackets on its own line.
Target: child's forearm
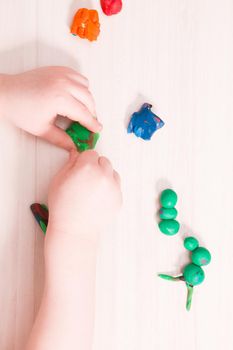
[2, 92]
[83, 198]
[66, 316]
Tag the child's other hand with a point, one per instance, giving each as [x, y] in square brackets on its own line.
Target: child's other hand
[32, 101]
[84, 196]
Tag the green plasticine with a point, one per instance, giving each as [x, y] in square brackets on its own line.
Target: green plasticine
[167, 213]
[191, 243]
[171, 278]
[43, 227]
[169, 227]
[188, 285]
[193, 274]
[41, 214]
[201, 256]
[189, 296]
[83, 138]
[168, 198]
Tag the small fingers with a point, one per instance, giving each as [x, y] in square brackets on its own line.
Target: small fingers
[71, 161]
[75, 110]
[72, 74]
[117, 177]
[58, 137]
[73, 157]
[78, 78]
[105, 164]
[82, 94]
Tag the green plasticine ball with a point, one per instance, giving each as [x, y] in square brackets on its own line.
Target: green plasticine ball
[191, 243]
[83, 138]
[168, 213]
[201, 256]
[193, 274]
[169, 227]
[168, 198]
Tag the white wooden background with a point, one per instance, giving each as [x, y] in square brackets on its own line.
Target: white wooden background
[178, 55]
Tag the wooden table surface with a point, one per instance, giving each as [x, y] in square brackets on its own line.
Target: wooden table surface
[177, 55]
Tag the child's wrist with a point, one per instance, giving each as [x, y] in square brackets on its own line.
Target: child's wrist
[76, 233]
[73, 236]
[60, 245]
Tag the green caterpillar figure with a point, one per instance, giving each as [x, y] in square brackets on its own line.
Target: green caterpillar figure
[193, 274]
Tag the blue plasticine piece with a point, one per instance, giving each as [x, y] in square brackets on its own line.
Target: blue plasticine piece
[144, 122]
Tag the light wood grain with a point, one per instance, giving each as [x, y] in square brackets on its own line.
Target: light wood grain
[176, 54]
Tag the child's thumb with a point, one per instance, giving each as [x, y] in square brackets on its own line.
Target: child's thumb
[59, 137]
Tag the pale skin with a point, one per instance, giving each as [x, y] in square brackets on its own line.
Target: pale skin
[83, 198]
[32, 101]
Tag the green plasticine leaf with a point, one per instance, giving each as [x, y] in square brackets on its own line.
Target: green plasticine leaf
[189, 287]
[44, 206]
[43, 227]
[189, 296]
[170, 278]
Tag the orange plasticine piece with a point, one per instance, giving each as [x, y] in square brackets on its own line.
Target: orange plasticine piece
[86, 24]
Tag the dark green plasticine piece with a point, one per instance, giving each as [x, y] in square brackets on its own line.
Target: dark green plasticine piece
[43, 227]
[41, 214]
[83, 138]
[169, 227]
[201, 256]
[167, 213]
[191, 243]
[168, 198]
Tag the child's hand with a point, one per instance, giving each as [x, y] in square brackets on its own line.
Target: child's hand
[32, 101]
[84, 196]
